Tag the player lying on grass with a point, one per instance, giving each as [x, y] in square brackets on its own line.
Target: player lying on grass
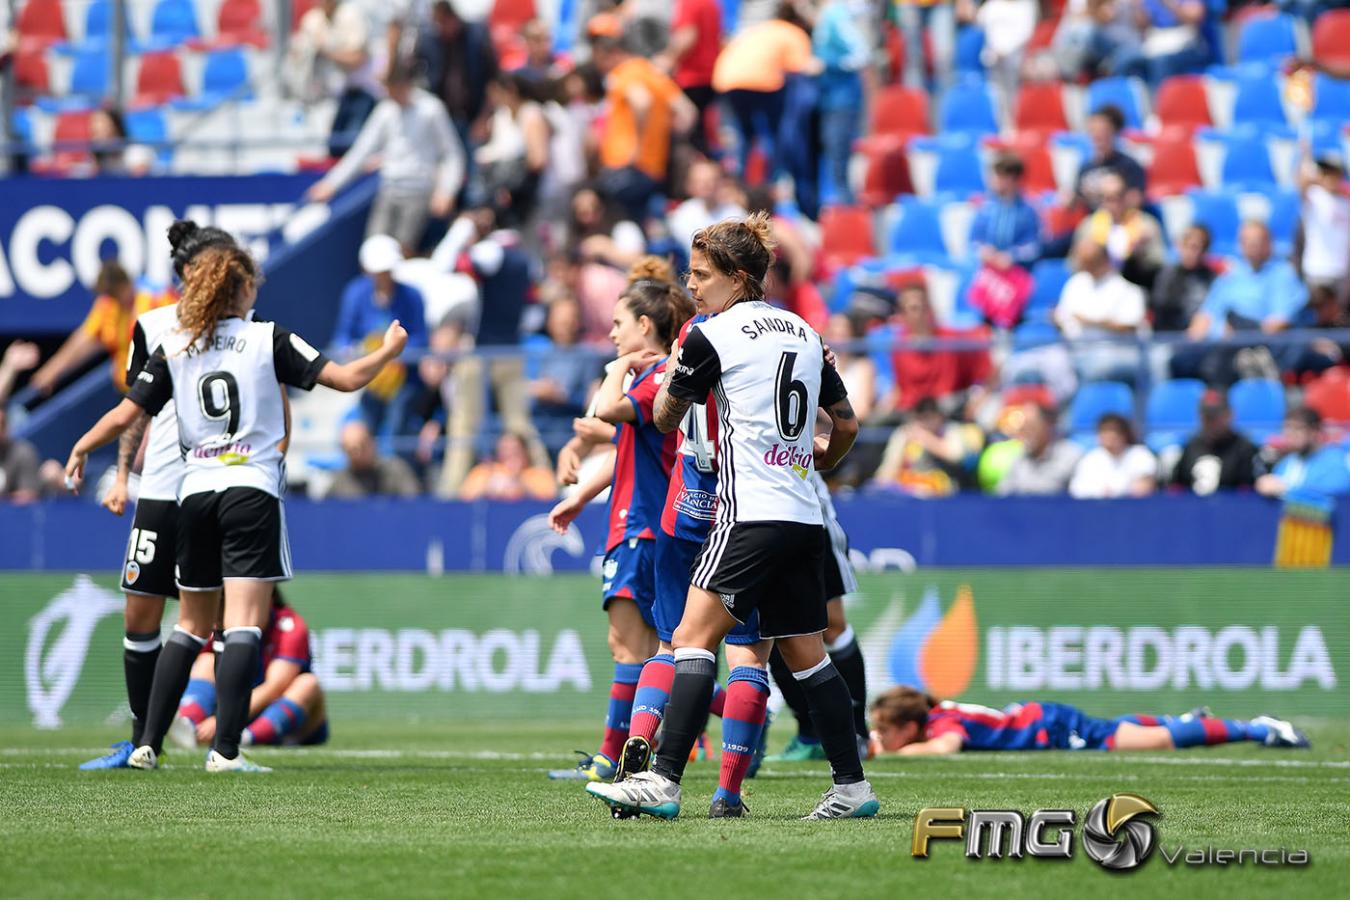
[287, 703]
[910, 722]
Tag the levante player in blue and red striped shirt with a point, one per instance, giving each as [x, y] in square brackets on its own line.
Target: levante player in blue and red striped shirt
[908, 721]
[647, 318]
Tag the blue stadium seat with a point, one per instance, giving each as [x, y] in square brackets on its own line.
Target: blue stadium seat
[969, 48]
[1121, 92]
[1257, 98]
[967, 107]
[1246, 161]
[148, 126]
[1094, 400]
[172, 23]
[1050, 276]
[91, 74]
[1269, 39]
[1172, 412]
[1285, 210]
[1327, 137]
[1331, 99]
[1217, 211]
[917, 235]
[98, 23]
[959, 168]
[225, 73]
[1258, 406]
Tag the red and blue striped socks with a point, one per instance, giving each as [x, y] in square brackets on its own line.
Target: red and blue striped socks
[747, 699]
[653, 692]
[618, 717]
[280, 719]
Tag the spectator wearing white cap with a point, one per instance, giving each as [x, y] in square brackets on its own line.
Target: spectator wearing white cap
[369, 303]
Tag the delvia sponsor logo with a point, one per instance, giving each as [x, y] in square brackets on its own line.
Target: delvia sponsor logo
[794, 458]
[415, 659]
[58, 642]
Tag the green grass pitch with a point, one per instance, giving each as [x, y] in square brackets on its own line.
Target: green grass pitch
[464, 810]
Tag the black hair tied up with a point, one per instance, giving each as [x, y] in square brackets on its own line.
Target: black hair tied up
[187, 239]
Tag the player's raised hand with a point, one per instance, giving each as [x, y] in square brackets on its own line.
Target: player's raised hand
[561, 517]
[395, 338]
[115, 500]
[639, 360]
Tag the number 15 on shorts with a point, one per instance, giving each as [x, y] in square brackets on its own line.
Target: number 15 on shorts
[141, 547]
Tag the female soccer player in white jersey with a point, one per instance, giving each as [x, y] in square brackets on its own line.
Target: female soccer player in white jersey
[767, 369]
[147, 570]
[223, 373]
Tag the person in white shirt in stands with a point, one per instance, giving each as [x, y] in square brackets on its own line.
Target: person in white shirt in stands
[420, 156]
[1117, 466]
[704, 207]
[1326, 228]
[1096, 306]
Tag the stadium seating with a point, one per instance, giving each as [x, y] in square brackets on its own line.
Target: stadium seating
[1267, 38]
[1172, 412]
[31, 74]
[969, 47]
[1331, 38]
[959, 169]
[98, 24]
[1182, 103]
[148, 126]
[1258, 406]
[846, 234]
[224, 77]
[1040, 109]
[1050, 276]
[916, 238]
[967, 108]
[1173, 169]
[159, 79]
[72, 129]
[1094, 400]
[1329, 395]
[240, 22]
[886, 176]
[1257, 101]
[40, 24]
[1331, 99]
[1246, 161]
[172, 23]
[1124, 93]
[898, 113]
[1285, 209]
[1217, 211]
[91, 75]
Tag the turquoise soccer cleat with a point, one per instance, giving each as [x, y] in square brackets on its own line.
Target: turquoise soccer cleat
[117, 759]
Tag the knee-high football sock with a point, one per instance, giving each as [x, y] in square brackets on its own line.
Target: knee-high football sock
[199, 701]
[281, 718]
[1139, 719]
[848, 659]
[617, 719]
[687, 712]
[171, 677]
[140, 652]
[718, 706]
[1199, 732]
[653, 692]
[794, 697]
[234, 684]
[832, 711]
[747, 701]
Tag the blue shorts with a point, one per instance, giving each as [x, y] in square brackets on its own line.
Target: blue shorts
[674, 564]
[630, 572]
[1069, 728]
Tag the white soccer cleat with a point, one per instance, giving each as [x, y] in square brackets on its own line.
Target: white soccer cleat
[143, 758]
[183, 734]
[1280, 733]
[217, 763]
[641, 792]
[846, 801]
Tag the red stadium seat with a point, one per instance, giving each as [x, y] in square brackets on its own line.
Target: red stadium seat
[847, 235]
[31, 74]
[298, 10]
[886, 177]
[1330, 395]
[1044, 35]
[1331, 37]
[159, 80]
[72, 128]
[240, 22]
[898, 113]
[1038, 175]
[1182, 102]
[1040, 108]
[1174, 169]
[511, 13]
[41, 24]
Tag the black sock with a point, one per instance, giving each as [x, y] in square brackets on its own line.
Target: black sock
[848, 659]
[140, 652]
[171, 678]
[793, 696]
[234, 685]
[832, 710]
[686, 713]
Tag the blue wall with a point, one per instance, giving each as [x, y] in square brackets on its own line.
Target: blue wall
[963, 531]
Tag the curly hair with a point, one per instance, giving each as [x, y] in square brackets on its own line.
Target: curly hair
[903, 704]
[741, 249]
[655, 268]
[212, 289]
[653, 292]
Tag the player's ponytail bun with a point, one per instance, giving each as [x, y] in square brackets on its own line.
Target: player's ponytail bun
[187, 239]
[211, 290]
[741, 249]
[653, 292]
[903, 704]
[655, 268]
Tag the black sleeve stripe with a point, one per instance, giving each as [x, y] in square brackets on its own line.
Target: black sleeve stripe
[153, 386]
[296, 362]
[139, 355]
[697, 370]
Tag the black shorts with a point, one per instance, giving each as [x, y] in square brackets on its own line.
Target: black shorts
[151, 550]
[773, 567]
[234, 533]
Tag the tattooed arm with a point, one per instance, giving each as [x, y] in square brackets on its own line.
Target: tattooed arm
[843, 432]
[128, 446]
[669, 411]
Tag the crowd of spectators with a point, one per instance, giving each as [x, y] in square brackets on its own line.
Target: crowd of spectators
[520, 179]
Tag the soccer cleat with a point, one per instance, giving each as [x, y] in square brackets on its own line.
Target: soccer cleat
[1200, 712]
[183, 734]
[721, 809]
[798, 750]
[589, 768]
[644, 792]
[636, 757]
[762, 748]
[117, 759]
[143, 758]
[217, 763]
[846, 801]
[1280, 733]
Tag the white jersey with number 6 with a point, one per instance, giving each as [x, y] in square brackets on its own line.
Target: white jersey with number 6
[767, 371]
[230, 416]
[163, 466]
